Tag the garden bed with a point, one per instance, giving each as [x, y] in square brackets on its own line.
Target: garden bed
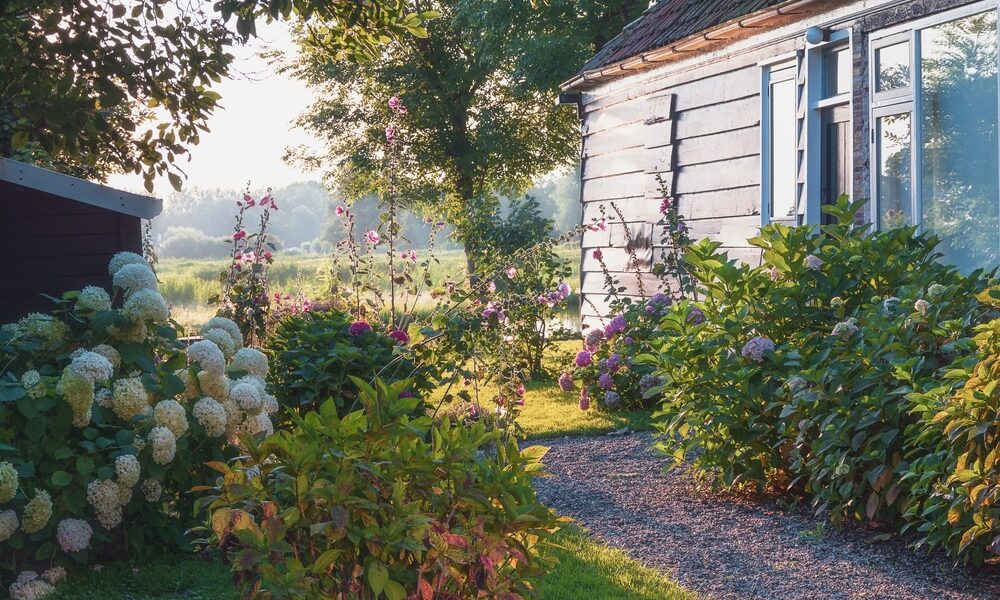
[728, 547]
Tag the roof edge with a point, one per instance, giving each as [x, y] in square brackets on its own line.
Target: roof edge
[708, 37]
[79, 190]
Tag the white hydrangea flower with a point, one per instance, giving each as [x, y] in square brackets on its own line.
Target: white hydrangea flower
[45, 327]
[248, 397]
[164, 445]
[94, 299]
[146, 305]
[124, 258]
[234, 416]
[37, 512]
[92, 367]
[103, 398]
[171, 414]
[32, 382]
[214, 385]
[152, 490]
[229, 326]
[936, 289]
[270, 404]
[109, 353]
[74, 535]
[54, 575]
[127, 470]
[135, 277]
[190, 384]
[256, 381]
[258, 423]
[8, 481]
[921, 306]
[250, 360]
[8, 524]
[221, 338]
[208, 356]
[78, 391]
[124, 494]
[211, 416]
[130, 398]
[102, 494]
[29, 587]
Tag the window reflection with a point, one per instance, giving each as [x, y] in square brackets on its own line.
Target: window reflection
[894, 172]
[893, 64]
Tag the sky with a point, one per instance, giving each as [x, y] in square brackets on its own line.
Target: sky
[250, 133]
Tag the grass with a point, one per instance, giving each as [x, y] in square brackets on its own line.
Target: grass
[587, 569]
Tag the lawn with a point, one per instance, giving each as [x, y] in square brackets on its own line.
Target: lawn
[586, 569]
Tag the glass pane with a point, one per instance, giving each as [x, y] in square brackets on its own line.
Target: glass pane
[783, 122]
[959, 195]
[893, 64]
[894, 172]
[837, 71]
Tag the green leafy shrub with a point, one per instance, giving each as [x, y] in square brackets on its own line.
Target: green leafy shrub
[314, 357]
[106, 420]
[381, 502]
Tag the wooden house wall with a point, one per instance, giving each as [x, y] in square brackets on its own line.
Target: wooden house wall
[49, 245]
[697, 125]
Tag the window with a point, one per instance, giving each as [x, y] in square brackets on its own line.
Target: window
[780, 147]
[934, 133]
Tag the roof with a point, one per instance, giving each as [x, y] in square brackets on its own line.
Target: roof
[675, 27]
[80, 190]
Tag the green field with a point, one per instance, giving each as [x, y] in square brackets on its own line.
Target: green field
[188, 284]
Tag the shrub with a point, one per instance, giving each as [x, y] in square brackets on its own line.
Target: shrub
[379, 501]
[189, 242]
[314, 358]
[100, 432]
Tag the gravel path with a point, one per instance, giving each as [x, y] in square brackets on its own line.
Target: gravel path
[734, 548]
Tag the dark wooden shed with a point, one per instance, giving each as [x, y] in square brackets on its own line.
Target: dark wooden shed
[58, 233]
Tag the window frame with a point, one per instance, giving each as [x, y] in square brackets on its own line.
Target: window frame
[788, 68]
[811, 213]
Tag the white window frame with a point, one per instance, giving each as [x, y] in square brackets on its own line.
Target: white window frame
[776, 65]
[909, 100]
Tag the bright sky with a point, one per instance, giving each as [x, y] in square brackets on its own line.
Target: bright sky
[250, 134]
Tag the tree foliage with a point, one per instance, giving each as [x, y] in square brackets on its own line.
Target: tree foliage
[95, 86]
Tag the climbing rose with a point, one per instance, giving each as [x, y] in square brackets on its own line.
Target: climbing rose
[583, 359]
[357, 328]
[566, 382]
[757, 347]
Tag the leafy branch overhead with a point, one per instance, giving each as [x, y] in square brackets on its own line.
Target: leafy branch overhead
[93, 87]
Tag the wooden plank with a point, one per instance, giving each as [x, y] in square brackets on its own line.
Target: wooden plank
[718, 118]
[614, 140]
[594, 283]
[632, 209]
[640, 234]
[595, 239]
[660, 159]
[659, 133]
[658, 107]
[52, 285]
[34, 226]
[630, 160]
[738, 143]
[53, 266]
[725, 203]
[617, 187]
[618, 259]
[730, 231]
[739, 172]
[85, 243]
[717, 89]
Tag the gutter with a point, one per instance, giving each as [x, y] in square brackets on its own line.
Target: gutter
[694, 43]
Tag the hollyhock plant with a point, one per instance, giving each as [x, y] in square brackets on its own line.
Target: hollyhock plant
[372, 237]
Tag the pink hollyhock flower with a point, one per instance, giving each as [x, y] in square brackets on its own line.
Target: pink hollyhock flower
[521, 389]
[268, 201]
[492, 287]
[339, 211]
[239, 235]
[357, 328]
[584, 399]
[248, 199]
[400, 336]
[665, 205]
[597, 254]
[373, 237]
[566, 382]
[413, 255]
[584, 358]
[268, 255]
[394, 102]
[390, 133]
[511, 272]
[599, 226]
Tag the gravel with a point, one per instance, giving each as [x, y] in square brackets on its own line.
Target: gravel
[736, 548]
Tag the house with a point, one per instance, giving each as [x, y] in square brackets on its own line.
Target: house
[57, 233]
[760, 111]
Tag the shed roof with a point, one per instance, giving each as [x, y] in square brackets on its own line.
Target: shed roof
[79, 190]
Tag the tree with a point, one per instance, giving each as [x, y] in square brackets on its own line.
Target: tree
[483, 119]
[96, 86]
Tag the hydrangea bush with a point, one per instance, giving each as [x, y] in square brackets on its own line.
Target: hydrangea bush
[106, 420]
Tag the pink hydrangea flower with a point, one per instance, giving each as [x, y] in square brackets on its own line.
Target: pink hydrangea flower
[566, 382]
[756, 348]
[606, 381]
[400, 336]
[373, 237]
[357, 328]
[584, 399]
[813, 262]
[584, 358]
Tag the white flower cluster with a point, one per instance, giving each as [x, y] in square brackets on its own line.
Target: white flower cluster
[152, 490]
[109, 353]
[103, 495]
[921, 306]
[8, 481]
[28, 586]
[103, 398]
[248, 397]
[54, 575]
[229, 326]
[208, 356]
[130, 398]
[146, 305]
[32, 382]
[92, 366]
[222, 339]
[214, 384]
[94, 299]
[37, 512]
[164, 445]
[73, 535]
[190, 384]
[845, 329]
[250, 360]
[211, 416]
[8, 524]
[134, 277]
[44, 327]
[124, 258]
[258, 423]
[171, 414]
[127, 470]
[269, 402]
